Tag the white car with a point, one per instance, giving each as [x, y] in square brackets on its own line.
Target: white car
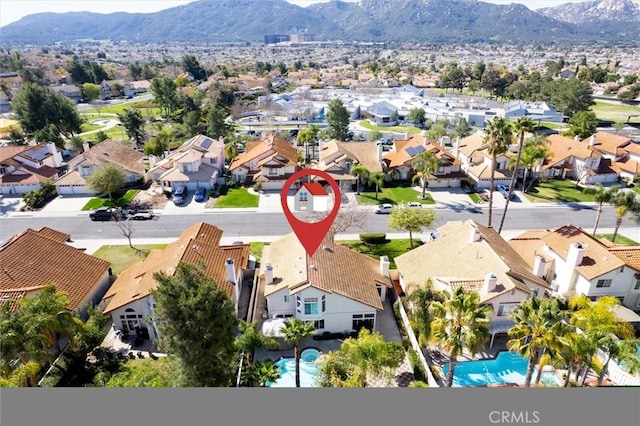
[414, 204]
[383, 209]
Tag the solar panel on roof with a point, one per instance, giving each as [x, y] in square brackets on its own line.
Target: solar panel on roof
[206, 143]
[419, 149]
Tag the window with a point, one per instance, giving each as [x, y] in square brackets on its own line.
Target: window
[298, 304]
[637, 286]
[603, 283]
[311, 306]
[272, 171]
[621, 269]
[536, 291]
[286, 298]
[379, 290]
[318, 325]
[363, 321]
[504, 310]
[304, 196]
[324, 303]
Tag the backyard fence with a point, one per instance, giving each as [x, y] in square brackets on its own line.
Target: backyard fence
[617, 374]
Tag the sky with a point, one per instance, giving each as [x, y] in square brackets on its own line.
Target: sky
[13, 10]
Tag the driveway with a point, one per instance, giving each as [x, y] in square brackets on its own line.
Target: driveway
[189, 206]
[66, 204]
[10, 205]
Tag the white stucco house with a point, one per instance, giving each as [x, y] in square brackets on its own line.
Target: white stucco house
[537, 111]
[25, 168]
[337, 289]
[476, 258]
[475, 160]
[197, 163]
[130, 302]
[573, 262]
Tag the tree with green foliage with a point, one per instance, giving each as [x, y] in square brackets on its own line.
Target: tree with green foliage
[16, 138]
[417, 115]
[165, 93]
[263, 372]
[624, 201]
[230, 151]
[411, 220]
[197, 322]
[90, 91]
[421, 314]
[460, 322]
[361, 172]
[374, 135]
[568, 96]
[251, 339]
[337, 120]
[534, 152]
[295, 330]
[217, 125]
[425, 164]
[40, 108]
[583, 124]
[498, 137]
[630, 94]
[191, 65]
[360, 358]
[133, 123]
[462, 128]
[452, 77]
[108, 178]
[377, 180]
[602, 196]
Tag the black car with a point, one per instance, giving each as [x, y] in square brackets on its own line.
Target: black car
[104, 213]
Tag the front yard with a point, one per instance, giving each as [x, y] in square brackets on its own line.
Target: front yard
[236, 198]
[122, 256]
[123, 201]
[396, 195]
[558, 191]
[391, 248]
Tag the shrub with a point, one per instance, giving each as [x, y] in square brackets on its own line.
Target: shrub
[435, 372]
[374, 238]
[257, 187]
[418, 368]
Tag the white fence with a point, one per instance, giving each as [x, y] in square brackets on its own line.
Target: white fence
[618, 375]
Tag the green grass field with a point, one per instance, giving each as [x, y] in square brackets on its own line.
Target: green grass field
[609, 111]
[96, 203]
[558, 191]
[392, 248]
[399, 129]
[236, 198]
[147, 109]
[397, 195]
[122, 256]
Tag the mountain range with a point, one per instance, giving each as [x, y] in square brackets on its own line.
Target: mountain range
[419, 21]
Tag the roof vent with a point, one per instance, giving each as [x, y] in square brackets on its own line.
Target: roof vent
[326, 248]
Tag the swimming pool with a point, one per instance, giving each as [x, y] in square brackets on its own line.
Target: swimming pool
[288, 370]
[508, 367]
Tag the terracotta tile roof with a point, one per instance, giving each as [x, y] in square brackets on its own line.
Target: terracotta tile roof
[401, 154]
[111, 151]
[626, 164]
[71, 178]
[205, 172]
[8, 152]
[562, 148]
[14, 296]
[366, 153]
[198, 243]
[629, 255]
[33, 259]
[597, 259]
[336, 269]
[268, 146]
[53, 234]
[470, 144]
[24, 174]
[608, 142]
[473, 260]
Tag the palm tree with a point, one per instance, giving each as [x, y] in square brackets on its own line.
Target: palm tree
[264, 371]
[619, 349]
[421, 299]
[251, 339]
[522, 126]
[360, 171]
[624, 201]
[376, 179]
[460, 322]
[602, 196]
[534, 150]
[426, 163]
[534, 330]
[295, 330]
[394, 174]
[498, 137]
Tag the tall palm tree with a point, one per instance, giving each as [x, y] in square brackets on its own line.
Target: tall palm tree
[533, 152]
[421, 299]
[394, 174]
[251, 339]
[264, 371]
[533, 331]
[360, 171]
[522, 126]
[425, 163]
[295, 330]
[602, 196]
[498, 137]
[460, 322]
[376, 179]
[624, 201]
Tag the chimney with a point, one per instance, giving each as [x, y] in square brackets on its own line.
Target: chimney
[379, 158]
[490, 282]
[384, 265]
[576, 138]
[576, 253]
[456, 147]
[592, 140]
[476, 235]
[51, 147]
[85, 146]
[268, 274]
[539, 266]
[231, 270]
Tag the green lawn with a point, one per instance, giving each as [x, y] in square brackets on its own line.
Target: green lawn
[608, 111]
[256, 249]
[117, 132]
[122, 256]
[146, 109]
[557, 191]
[392, 248]
[551, 125]
[620, 239]
[474, 197]
[88, 127]
[236, 197]
[399, 129]
[124, 200]
[396, 195]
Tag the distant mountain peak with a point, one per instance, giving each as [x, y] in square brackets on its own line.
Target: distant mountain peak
[594, 11]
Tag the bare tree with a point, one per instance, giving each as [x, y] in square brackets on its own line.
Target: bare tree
[127, 230]
[347, 218]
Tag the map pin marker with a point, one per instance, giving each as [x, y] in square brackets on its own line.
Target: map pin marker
[310, 234]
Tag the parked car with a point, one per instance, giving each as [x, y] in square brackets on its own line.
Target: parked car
[383, 209]
[179, 195]
[201, 195]
[104, 213]
[414, 204]
[140, 214]
[504, 191]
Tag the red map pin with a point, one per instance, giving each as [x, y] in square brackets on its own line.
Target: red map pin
[310, 234]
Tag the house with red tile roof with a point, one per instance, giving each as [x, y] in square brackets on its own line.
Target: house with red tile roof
[35, 258]
[311, 196]
[269, 161]
[337, 158]
[130, 301]
[621, 153]
[573, 262]
[25, 168]
[473, 153]
[325, 288]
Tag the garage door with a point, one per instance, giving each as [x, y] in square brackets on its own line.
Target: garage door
[272, 185]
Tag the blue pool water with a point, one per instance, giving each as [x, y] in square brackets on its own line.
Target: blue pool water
[508, 367]
[288, 370]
